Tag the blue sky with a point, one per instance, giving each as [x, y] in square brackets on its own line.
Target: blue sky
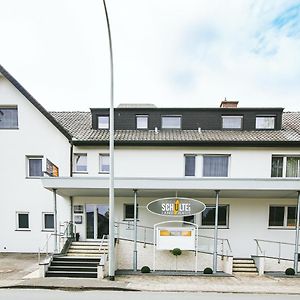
[167, 52]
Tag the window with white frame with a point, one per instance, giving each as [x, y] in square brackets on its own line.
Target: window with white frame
[103, 122]
[80, 162]
[265, 122]
[8, 118]
[232, 122]
[22, 220]
[208, 216]
[141, 121]
[190, 165]
[282, 216]
[48, 221]
[104, 163]
[285, 166]
[35, 166]
[215, 165]
[171, 122]
[129, 211]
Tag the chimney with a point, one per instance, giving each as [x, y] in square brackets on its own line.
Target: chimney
[229, 104]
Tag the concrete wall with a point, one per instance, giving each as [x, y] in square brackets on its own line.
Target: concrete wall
[35, 136]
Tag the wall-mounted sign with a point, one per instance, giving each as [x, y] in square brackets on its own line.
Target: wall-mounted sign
[51, 169]
[78, 219]
[78, 209]
[176, 207]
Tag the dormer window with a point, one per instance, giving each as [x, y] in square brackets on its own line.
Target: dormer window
[232, 122]
[141, 121]
[265, 122]
[171, 122]
[8, 118]
[103, 122]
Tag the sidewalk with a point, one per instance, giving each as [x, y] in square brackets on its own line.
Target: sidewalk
[20, 271]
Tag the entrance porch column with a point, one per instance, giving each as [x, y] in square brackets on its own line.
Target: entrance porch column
[297, 236]
[134, 260]
[215, 253]
[55, 221]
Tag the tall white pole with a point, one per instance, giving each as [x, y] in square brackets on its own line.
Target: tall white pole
[55, 222]
[135, 232]
[297, 235]
[111, 247]
[215, 254]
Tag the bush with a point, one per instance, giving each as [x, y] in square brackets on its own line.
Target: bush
[290, 271]
[145, 269]
[176, 251]
[208, 271]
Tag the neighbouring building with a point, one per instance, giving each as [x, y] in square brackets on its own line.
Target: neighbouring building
[55, 170]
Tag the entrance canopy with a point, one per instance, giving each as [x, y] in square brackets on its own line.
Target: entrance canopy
[163, 187]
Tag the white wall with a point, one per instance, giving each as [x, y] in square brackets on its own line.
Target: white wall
[35, 136]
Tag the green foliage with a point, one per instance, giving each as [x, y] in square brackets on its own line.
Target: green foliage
[290, 271]
[176, 252]
[145, 269]
[208, 271]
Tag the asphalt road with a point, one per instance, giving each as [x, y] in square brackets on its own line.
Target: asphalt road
[24, 294]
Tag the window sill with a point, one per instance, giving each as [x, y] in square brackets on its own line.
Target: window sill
[213, 227]
[130, 220]
[20, 229]
[80, 172]
[47, 230]
[103, 173]
[34, 177]
[282, 227]
[16, 128]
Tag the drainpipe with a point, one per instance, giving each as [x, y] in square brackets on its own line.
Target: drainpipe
[71, 158]
[55, 221]
[135, 232]
[215, 253]
[297, 236]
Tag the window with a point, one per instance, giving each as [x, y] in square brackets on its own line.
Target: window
[80, 162]
[208, 216]
[104, 163]
[141, 122]
[232, 122]
[103, 122]
[190, 219]
[129, 211]
[8, 118]
[190, 165]
[22, 220]
[265, 123]
[215, 165]
[282, 216]
[285, 166]
[171, 122]
[35, 166]
[48, 221]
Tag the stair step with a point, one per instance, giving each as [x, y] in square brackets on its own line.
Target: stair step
[249, 261]
[85, 248]
[72, 269]
[246, 273]
[75, 263]
[244, 270]
[83, 251]
[71, 274]
[244, 265]
[76, 259]
[84, 255]
[87, 243]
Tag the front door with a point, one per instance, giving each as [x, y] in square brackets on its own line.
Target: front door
[97, 220]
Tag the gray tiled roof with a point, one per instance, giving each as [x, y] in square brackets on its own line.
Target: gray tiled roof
[79, 125]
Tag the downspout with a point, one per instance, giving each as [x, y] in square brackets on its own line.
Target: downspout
[71, 175]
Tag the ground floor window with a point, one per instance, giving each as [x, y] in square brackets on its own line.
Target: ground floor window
[22, 220]
[190, 219]
[129, 211]
[48, 221]
[208, 216]
[282, 216]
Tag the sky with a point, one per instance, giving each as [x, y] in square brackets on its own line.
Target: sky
[172, 53]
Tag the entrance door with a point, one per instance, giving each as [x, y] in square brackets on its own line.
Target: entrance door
[97, 221]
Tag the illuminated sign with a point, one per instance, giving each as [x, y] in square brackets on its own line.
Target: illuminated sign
[51, 169]
[176, 207]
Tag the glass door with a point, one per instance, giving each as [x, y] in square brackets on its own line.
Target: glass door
[97, 221]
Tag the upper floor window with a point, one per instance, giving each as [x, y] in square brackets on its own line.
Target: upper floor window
[285, 166]
[232, 122]
[282, 216]
[103, 122]
[80, 162]
[215, 165]
[8, 118]
[35, 166]
[171, 122]
[141, 122]
[265, 122]
[104, 163]
[190, 165]
[208, 216]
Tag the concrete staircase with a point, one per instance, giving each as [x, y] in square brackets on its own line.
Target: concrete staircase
[244, 266]
[81, 260]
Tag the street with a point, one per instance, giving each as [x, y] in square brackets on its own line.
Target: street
[24, 294]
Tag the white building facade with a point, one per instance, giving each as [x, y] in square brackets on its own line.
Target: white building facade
[249, 157]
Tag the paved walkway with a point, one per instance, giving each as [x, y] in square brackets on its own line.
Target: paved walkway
[20, 271]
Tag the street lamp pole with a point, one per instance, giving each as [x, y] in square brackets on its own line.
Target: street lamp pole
[111, 246]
